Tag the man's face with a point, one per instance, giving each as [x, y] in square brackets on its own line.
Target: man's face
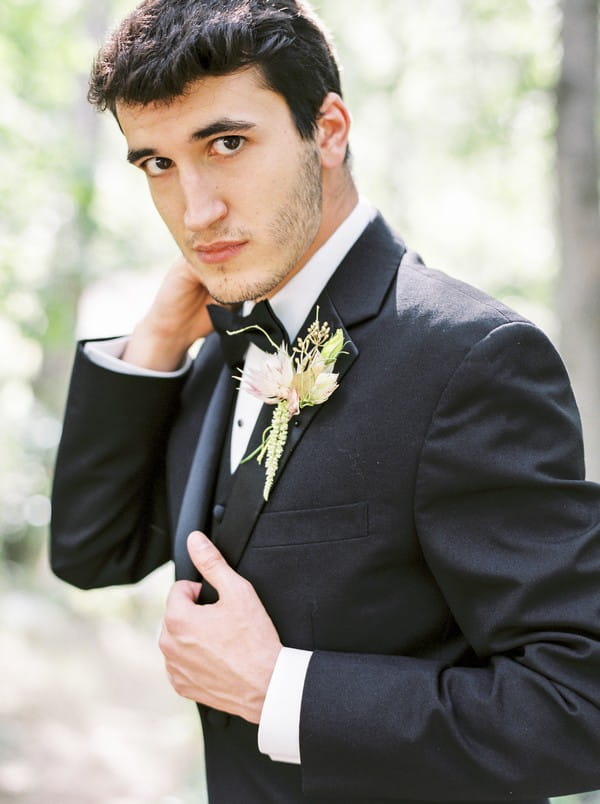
[238, 188]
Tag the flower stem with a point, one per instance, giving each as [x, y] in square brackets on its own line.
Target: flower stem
[275, 444]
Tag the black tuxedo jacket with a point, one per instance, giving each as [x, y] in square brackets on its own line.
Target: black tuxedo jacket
[429, 535]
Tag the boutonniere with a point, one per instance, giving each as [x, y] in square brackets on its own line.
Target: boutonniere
[291, 382]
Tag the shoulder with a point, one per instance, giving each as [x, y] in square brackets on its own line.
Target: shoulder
[443, 303]
[433, 312]
[434, 327]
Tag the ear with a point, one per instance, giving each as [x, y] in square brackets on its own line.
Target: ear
[333, 129]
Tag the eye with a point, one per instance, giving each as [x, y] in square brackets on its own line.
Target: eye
[225, 146]
[156, 165]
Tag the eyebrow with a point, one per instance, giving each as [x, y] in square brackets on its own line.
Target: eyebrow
[135, 155]
[221, 126]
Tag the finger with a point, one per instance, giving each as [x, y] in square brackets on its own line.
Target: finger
[182, 591]
[210, 563]
[178, 610]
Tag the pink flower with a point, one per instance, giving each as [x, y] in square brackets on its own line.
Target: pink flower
[274, 379]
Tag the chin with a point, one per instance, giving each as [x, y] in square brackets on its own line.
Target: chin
[240, 293]
[221, 298]
[235, 296]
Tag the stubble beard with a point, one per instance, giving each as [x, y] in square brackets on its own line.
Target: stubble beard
[292, 232]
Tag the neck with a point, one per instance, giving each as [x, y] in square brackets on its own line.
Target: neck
[339, 199]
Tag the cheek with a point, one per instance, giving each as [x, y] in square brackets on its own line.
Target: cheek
[281, 179]
[268, 200]
[272, 179]
[167, 205]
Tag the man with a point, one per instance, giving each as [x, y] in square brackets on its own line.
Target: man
[412, 613]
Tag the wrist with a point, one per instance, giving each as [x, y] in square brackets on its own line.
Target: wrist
[256, 697]
[155, 348]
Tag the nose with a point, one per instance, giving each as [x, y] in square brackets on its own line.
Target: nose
[204, 204]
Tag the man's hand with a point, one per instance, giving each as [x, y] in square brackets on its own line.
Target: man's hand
[176, 319]
[220, 654]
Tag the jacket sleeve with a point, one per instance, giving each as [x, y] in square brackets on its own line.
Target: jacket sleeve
[109, 522]
[511, 532]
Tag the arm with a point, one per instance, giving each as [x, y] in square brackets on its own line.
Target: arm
[109, 523]
[109, 520]
[511, 532]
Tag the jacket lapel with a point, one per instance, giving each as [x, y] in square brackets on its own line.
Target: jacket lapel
[354, 294]
[205, 463]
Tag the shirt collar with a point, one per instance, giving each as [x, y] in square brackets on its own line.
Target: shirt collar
[294, 301]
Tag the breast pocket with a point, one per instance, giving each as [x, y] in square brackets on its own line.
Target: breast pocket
[311, 526]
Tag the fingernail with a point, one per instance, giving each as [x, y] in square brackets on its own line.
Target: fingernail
[197, 539]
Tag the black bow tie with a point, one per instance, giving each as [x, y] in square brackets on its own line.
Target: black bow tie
[234, 346]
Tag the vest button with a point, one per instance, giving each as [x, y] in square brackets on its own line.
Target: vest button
[218, 512]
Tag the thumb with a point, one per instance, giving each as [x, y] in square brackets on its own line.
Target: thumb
[209, 562]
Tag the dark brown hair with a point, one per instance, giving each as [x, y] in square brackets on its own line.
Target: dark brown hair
[164, 45]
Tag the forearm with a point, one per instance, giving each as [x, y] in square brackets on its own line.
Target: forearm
[109, 524]
[372, 725]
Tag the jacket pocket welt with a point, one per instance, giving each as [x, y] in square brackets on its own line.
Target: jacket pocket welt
[311, 526]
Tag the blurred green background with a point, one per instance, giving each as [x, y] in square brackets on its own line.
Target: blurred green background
[471, 132]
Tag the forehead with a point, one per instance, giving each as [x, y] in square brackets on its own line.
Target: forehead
[241, 95]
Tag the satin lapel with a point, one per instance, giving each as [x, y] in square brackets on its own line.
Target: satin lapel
[246, 497]
[203, 471]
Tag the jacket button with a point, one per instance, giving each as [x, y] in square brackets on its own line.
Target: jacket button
[218, 513]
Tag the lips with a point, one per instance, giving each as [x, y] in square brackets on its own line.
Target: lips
[219, 252]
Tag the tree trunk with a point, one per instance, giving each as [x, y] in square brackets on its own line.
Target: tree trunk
[579, 216]
[72, 253]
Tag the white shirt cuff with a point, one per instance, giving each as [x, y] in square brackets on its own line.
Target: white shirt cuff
[107, 354]
[279, 728]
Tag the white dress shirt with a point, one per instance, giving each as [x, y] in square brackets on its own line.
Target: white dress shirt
[279, 728]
